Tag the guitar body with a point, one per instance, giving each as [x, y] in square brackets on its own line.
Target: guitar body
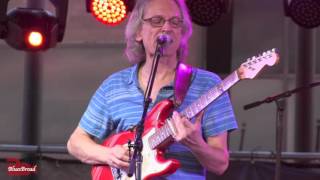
[154, 164]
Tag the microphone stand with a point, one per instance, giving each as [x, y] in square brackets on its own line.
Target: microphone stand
[136, 160]
[279, 99]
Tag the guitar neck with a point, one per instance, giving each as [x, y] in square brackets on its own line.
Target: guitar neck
[210, 96]
[165, 132]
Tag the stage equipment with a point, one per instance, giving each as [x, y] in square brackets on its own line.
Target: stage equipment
[207, 12]
[279, 99]
[110, 12]
[306, 13]
[33, 29]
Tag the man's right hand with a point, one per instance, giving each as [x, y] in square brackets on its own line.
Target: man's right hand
[82, 146]
[118, 157]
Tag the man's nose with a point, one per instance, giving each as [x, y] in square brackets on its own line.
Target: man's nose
[166, 26]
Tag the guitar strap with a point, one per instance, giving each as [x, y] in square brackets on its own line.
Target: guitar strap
[182, 82]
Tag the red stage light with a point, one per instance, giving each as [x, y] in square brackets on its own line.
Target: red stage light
[34, 39]
[109, 12]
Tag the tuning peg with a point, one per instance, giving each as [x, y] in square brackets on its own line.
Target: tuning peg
[275, 50]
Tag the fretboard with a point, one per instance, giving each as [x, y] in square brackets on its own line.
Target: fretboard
[165, 132]
[207, 98]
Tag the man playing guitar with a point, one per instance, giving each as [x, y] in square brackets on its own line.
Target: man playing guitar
[200, 143]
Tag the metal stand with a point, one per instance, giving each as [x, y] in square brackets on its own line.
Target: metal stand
[243, 132]
[279, 99]
[279, 134]
[317, 149]
[136, 160]
[30, 123]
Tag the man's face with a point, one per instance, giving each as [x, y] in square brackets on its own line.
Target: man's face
[161, 16]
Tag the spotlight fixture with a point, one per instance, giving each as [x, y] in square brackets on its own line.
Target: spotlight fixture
[33, 29]
[110, 12]
[306, 13]
[207, 12]
[35, 38]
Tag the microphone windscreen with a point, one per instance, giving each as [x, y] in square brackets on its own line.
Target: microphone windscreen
[164, 39]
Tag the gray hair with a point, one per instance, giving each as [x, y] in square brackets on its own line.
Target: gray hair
[135, 50]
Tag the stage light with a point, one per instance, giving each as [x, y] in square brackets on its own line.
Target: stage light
[35, 39]
[207, 12]
[110, 12]
[21, 33]
[306, 13]
[33, 29]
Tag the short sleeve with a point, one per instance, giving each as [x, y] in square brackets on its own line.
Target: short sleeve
[96, 119]
[219, 115]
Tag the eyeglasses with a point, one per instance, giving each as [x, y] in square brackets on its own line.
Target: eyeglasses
[159, 21]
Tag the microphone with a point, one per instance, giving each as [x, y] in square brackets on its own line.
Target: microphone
[164, 39]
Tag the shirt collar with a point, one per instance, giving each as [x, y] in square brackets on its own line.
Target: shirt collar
[133, 74]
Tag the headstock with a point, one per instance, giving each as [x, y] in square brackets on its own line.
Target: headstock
[253, 65]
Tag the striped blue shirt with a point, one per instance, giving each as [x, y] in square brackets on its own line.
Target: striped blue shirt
[117, 105]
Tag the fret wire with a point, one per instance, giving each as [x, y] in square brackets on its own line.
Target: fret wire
[185, 112]
[191, 110]
[197, 104]
[189, 113]
[155, 138]
[161, 135]
[229, 81]
[155, 141]
[168, 130]
[208, 99]
[194, 108]
[165, 131]
[213, 92]
[203, 101]
[209, 94]
[151, 141]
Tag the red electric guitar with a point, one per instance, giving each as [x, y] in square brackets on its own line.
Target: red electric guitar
[158, 130]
